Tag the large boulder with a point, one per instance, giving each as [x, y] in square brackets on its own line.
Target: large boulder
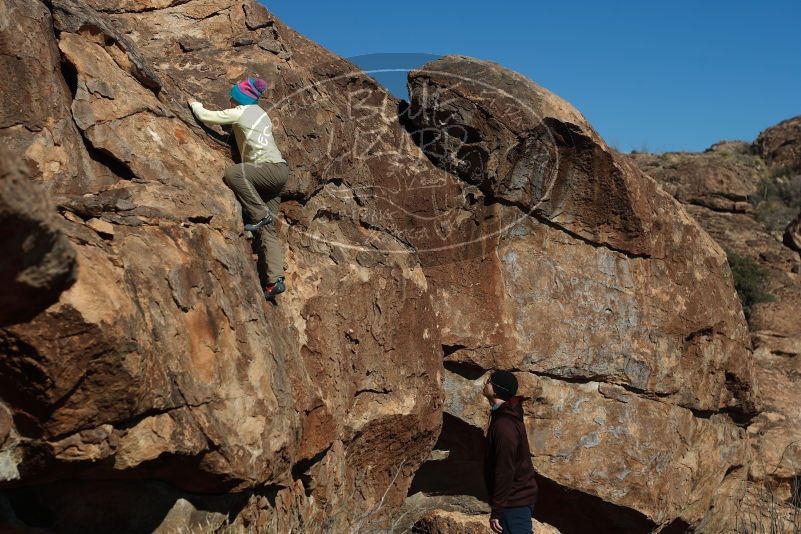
[162, 360]
[615, 308]
[39, 260]
[583, 226]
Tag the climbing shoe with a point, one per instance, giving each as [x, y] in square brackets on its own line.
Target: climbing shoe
[252, 227]
[271, 290]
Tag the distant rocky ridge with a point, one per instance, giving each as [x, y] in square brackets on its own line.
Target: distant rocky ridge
[146, 386]
[780, 145]
[752, 222]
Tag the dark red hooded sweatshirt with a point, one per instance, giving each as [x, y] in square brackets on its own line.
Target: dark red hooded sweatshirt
[508, 471]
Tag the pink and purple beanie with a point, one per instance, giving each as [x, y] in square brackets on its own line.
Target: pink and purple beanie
[248, 90]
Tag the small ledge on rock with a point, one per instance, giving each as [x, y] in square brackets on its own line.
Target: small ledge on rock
[104, 228]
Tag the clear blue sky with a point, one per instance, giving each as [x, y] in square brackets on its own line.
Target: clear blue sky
[671, 75]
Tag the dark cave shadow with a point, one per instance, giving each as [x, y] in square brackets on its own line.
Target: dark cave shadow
[107, 506]
[571, 511]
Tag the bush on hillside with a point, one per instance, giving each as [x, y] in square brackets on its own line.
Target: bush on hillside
[778, 199]
[749, 280]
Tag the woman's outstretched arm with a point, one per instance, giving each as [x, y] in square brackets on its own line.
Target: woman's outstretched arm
[226, 116]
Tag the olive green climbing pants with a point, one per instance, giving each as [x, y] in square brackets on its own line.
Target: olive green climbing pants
[258, 187]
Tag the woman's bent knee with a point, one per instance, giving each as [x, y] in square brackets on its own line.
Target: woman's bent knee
[230, 174]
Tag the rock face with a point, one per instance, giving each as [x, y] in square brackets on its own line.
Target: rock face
[792, 235]
[775, 325]
[441, 522]
[721, 179]
[597, 291]
[482, 225]
[162, 360]
[39, 260]
[585, 210]
[780, 145]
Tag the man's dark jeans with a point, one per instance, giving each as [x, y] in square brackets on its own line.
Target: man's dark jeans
[516, 520]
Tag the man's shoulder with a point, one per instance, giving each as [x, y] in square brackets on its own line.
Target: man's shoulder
[503, 423]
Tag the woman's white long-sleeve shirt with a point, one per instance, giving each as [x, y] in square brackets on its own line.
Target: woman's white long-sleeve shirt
[253, 130]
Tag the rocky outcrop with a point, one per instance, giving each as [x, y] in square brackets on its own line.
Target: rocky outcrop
[722, 179]
[39, 260]
[768, 486]
[583, 203]
[162, 360]
[780, 145]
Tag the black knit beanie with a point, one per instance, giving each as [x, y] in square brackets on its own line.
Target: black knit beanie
[504, 384]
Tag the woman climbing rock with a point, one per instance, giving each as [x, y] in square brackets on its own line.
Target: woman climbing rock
[258, 180]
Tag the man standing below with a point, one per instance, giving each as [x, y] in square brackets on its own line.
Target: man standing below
[508, 471]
